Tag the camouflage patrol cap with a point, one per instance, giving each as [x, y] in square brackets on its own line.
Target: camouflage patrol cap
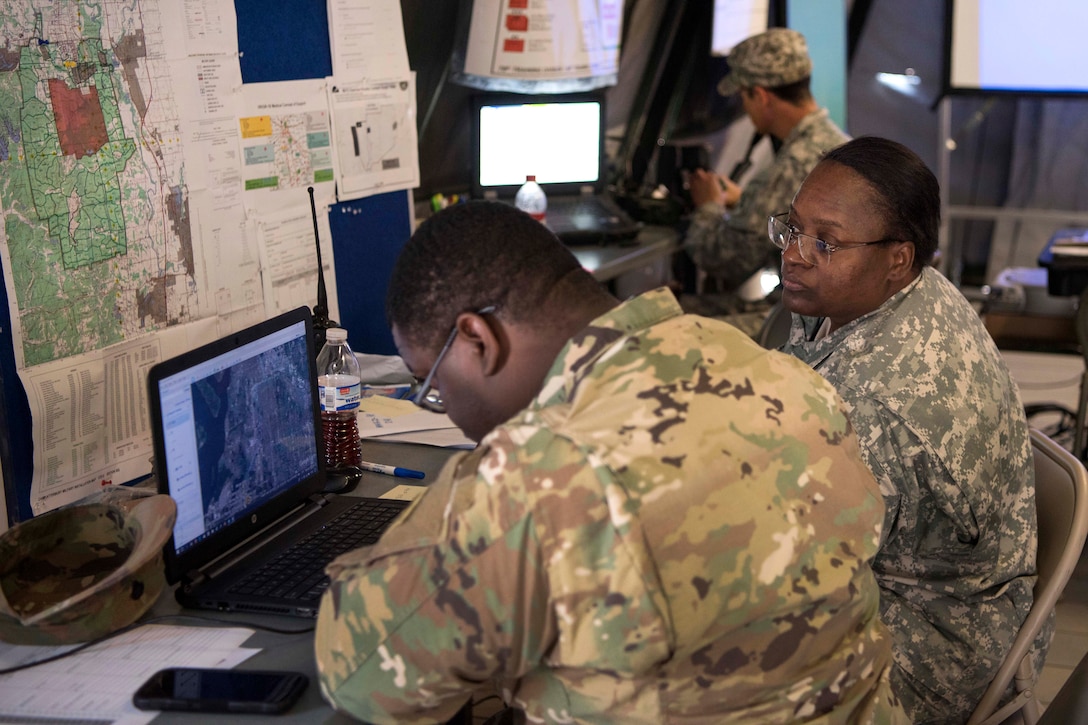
[775, 58]
[83, 571]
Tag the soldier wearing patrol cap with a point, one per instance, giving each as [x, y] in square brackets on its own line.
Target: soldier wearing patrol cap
[727, 236]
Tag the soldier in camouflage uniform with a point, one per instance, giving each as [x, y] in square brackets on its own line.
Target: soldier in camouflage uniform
[939, 418]
[771, 70]
[662, 522]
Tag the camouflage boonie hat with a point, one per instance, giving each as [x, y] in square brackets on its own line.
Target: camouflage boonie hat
[775, 58]
[82, 571]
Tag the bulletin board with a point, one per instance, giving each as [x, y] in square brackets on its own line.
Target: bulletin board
[286, 40]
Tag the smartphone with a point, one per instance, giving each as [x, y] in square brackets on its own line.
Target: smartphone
[199, 689]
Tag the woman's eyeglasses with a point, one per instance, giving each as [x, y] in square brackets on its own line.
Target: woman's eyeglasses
[813, 250]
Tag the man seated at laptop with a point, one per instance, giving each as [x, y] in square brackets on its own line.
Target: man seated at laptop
[771, 72]
[662, 521]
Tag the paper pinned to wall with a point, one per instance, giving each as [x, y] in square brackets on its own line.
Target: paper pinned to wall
[366, 38]
[285, 141]
[289, 260]
[544, 39]
[374, 135]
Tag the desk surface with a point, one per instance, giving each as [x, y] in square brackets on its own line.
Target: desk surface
[611, 261]
[296, 651]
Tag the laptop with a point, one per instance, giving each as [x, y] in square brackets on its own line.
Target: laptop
[235, 432]
[560, 140]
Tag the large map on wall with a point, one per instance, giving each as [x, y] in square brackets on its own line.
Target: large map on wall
[92, 191]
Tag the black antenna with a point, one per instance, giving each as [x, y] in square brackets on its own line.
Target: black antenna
[321, 309]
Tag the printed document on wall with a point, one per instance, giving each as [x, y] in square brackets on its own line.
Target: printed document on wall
[284, 138]
[200, 27]
[90, 414]
[374, 135]
[366, 38]
[289, 259]
[544, 39]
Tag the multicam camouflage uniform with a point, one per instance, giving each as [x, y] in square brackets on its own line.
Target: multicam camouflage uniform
[677, 529]
[943, 429]
[733, 246]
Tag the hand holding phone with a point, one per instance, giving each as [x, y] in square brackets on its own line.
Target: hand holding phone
[216, 690]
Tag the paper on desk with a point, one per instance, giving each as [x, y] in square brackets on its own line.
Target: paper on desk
[441, 437]
[401, 420]
[401, 492]
[1070, 248]
[98, 683]
[379, 415]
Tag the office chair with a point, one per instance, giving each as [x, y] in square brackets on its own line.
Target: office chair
[1070, 705]
[1061, 500]
[1080, 432]
[775, 331]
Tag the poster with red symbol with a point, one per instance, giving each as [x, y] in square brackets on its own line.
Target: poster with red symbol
[544, 39]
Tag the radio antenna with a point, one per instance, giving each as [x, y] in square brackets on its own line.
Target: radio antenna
[321, 309]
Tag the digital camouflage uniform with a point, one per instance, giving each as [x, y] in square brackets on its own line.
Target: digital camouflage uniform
[943, 430]
[676, 529]
[733, 245]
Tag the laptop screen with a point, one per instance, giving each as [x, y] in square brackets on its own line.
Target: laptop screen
[559, 139]
[237, 426]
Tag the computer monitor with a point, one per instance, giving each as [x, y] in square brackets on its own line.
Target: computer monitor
[557, 138]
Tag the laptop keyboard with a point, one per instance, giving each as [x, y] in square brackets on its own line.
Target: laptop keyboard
[589, 220]
[299, 572]
[586, 209]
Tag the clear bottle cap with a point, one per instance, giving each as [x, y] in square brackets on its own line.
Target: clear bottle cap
[336, 334]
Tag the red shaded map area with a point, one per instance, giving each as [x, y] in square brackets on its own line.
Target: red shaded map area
[81, 126]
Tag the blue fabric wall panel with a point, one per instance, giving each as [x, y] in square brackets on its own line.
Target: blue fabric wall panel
[284, 40]
[367, 235]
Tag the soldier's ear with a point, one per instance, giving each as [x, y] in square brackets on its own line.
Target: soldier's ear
[488, 340]
[902, 261]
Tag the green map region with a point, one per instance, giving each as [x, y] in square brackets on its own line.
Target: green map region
[95, 214]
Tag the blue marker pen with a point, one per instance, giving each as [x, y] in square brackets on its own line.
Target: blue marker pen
[390, 470]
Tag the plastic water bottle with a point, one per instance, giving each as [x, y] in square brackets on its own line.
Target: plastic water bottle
[531, 199]
[338, 381]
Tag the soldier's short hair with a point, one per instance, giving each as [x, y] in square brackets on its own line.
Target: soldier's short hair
[470, 256]
[796, 93]
[907, 191]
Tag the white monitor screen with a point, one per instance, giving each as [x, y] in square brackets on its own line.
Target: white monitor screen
[1012, 45]
[559, 143]
[735, 20]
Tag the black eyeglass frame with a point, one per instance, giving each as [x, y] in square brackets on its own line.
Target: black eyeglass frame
[422, 396]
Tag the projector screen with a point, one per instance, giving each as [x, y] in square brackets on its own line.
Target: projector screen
[1019, 46]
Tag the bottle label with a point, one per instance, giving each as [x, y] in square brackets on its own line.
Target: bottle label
[338, 392]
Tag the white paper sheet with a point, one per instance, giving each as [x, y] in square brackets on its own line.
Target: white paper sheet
[374, 135]
[284, 135]
[289, 260]
[98, 683]
[544, 39]
[91, 415]
[367, 39]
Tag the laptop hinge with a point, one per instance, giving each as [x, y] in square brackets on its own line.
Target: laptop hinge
[192, 578]
[587, 190]
[262, 538]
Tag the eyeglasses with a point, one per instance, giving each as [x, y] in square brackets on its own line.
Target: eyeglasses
[813, 251]
[424, 396]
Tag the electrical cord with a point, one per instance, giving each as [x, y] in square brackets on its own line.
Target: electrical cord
[152, 620]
